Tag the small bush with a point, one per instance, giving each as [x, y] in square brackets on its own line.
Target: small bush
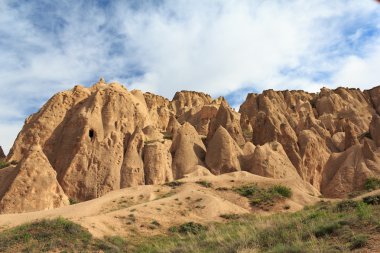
[358, 241]
[155, 223]
[73, 201]
[372, 200]
[222, 189]
[188, 228]
[231, 216]
[327, 229]
[261, 197]
[3, 164]
[346, 205]
[363, 210]
[282, 190]
[174, 184]
[372, 183]
[204, 183]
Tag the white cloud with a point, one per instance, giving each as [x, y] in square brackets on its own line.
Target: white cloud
[213, 46]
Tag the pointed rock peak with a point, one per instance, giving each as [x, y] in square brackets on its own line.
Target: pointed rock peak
[223, 153]
[230, 120]
[350, 138]
[187, 150]
[249, 148]
[368, 152]
[2, 155]
[173, 125]
[34, 186]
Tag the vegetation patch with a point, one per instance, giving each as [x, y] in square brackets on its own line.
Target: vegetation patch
[174, 184]
[230, 216]
[372, 183]
[359, 241]
[320, 228]
[372, 200]
[204, 183]
[264, 197]
[188, 228]
[3, 164]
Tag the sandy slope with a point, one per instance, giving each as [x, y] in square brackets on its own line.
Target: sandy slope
[131, 210]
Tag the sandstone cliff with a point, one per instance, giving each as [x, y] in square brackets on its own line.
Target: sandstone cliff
[86, 142]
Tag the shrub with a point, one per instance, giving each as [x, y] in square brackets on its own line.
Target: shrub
[260, 197]
[346, 205]
[372, 200]
[372, 183]
[73, 201]
[188, 228]
[326, 229]
[174, 184]
[282, 190]
[3, 164]
[358, 241]
[230, 216]
[363, 210]
[204, 183]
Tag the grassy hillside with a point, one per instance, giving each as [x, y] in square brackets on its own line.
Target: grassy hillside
[346, 226]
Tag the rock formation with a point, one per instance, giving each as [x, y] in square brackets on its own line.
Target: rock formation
[158, 163]
[86, 142]
[270, 160]
[187, 151]
[223, 153]
[31, 186]
[2, 155]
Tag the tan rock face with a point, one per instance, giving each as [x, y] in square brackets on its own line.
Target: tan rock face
[374, 129]
[229, 120]
[99, 139]
[270, 160]
[187, 151]
[334, 119]
[223, 153]
[31, 186]
[158, 163]
[347, 171]
[2, 155]
[132, 169]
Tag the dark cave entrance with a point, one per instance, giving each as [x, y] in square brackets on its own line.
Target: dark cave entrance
[91, 133]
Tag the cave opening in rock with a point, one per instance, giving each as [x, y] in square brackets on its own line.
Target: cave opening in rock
[91, 133]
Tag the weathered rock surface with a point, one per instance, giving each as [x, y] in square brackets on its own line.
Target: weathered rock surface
[86, 142]
[158, 163]
[132, 169]
[270, 160]
[223, 153]
[228, 119]
[2, 155]
[187, 151]
[347, 171]
[31, 186]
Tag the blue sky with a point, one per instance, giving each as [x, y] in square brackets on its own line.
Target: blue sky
[225, 47]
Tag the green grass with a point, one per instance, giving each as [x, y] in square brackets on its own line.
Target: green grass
[57, 234]
[372, 183]
[325, 227]
[264, 197]
[320, 228]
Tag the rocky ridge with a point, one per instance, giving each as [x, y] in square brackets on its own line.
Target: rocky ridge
[86, 142]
